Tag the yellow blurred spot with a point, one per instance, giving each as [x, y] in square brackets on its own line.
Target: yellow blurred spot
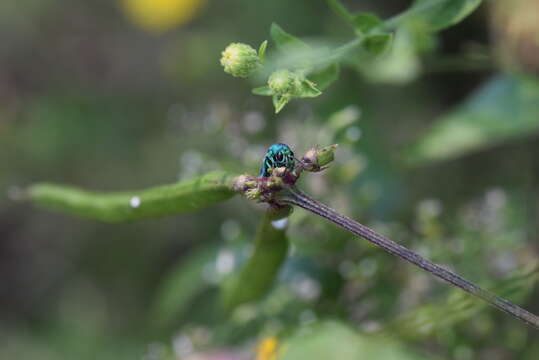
[267, 349]
[158, 16]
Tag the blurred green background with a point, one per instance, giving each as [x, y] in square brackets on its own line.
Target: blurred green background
[438, 151]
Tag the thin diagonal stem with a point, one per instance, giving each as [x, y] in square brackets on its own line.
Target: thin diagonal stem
[294, 196]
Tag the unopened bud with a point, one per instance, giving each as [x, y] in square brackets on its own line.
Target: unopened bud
[310, 156]
[284, 83]
[326, 154]
[240, 60]
[315, 159]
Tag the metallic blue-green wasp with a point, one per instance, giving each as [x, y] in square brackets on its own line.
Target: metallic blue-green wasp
[278, 155]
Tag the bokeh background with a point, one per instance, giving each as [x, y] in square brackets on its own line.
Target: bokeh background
[438, 151]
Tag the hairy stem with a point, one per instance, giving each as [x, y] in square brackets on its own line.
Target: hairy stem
[296, 197]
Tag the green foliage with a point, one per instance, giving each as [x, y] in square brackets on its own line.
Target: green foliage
[262, 51]
[365, 22]
[504, 108]
[373, 40]
[441, 14]
[284, 85]
[434, 318]
[130, 124]
[285, 41]
[257, 276]
[164, 200]
[377, 44]
[333, 340]
[180, 287]
[399, 65]
[324, 77]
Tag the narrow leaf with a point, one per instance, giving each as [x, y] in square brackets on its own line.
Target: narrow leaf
[258, 274]
[180, 287]
[263, 90]
[309, 90]
[377, 44]
[164, 200]
[279, 102]
[284, 40]
[339, 9]
[365, 22]
[437, 14]
[399, 65]
[324, 77]
[504, 108]
[262, 51]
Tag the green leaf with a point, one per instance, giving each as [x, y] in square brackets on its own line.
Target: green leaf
[365, 22]
[377, 44]
[440, 14]
[163, 200]
[279, 102]
[285, 41]
[326, 76]
[308, 90]
[334, 340]
[399, 65]
[362, 23]
[426, 320]
[256, 278]
[339, 9]
[262, 51]
[504, 108]
[263, 91]
[180, 286]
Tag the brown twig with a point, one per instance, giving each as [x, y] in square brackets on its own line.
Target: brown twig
[293, 196]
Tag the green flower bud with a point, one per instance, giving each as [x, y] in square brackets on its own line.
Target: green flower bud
[285, 83]
[326, 154]
[315, 159]
[240, 60]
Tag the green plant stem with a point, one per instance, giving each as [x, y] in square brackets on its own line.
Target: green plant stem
[316, 58]
[294, 196]
[163, 200]
[342, 51]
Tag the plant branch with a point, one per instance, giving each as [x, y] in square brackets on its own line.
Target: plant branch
[294, 196]
[114, 207]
